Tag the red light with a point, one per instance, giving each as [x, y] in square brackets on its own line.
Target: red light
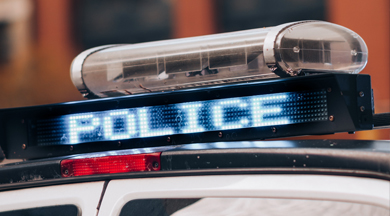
[111, 164]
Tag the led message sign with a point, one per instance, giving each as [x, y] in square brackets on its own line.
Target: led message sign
[184, 118]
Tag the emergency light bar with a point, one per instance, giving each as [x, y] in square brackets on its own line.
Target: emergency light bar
[286, 50]
[305, 105]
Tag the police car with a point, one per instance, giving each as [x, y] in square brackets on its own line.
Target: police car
[169, 130]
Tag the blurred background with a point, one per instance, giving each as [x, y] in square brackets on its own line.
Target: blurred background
[39, 38]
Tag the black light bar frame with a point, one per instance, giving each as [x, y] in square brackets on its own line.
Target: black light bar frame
[350, 108]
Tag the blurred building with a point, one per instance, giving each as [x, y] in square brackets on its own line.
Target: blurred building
[39, 38]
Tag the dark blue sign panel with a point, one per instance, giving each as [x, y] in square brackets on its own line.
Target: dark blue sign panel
[184, 118]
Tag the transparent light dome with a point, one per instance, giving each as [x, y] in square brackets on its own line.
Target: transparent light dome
[242, 56]
[315, 46]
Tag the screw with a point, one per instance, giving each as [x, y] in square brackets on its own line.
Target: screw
[66, 172]
[220, 134]
[273, 129]
[362, 108]
[168, 139]
[329, 89]
[331, 118]
[24, 146]
[71, 148]
[155, 164]
[361, 94]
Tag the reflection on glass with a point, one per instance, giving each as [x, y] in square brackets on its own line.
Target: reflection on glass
[246, 207]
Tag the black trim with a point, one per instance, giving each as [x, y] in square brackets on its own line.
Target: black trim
[326, 157]
[382, 120]
[102, 195]
[248, 171]
[276, 158]
[30, 171]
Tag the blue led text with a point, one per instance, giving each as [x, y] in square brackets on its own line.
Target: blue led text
[191, 117]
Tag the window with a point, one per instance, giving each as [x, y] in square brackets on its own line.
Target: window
[237, 15]
[64, 210]
[246, 206]
[100, 22]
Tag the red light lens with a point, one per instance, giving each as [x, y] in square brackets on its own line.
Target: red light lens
[111, 164]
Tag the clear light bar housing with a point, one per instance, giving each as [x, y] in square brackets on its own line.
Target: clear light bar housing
[284, 50]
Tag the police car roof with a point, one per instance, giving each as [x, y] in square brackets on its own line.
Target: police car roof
[328, 157]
